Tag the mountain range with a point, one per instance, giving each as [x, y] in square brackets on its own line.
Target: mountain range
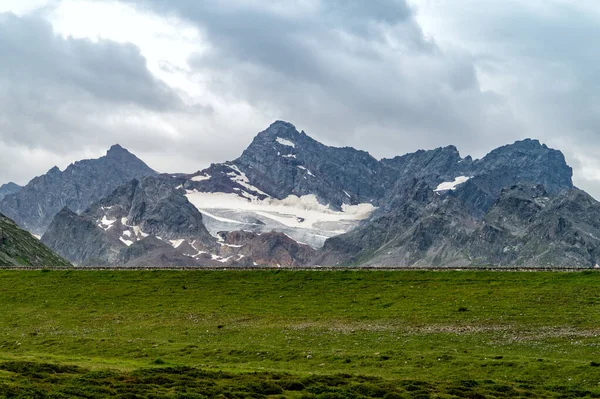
[289, 200]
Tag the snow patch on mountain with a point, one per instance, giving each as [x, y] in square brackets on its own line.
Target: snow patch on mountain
[106, 223]
[307, 171]
[176, 243]
[239, 177]
[201, 177]
[452, 185]
[285, 142]
[126, 241]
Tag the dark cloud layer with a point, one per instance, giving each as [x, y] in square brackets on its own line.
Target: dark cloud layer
[350, 72]
[34, 56]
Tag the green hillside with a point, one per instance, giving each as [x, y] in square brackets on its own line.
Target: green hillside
[20, 248]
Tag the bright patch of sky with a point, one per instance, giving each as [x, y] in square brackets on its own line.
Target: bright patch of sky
[165, 42]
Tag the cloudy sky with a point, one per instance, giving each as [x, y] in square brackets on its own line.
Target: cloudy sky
[183, 83]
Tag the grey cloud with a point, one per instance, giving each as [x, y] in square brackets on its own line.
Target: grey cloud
[350, 72]
[546, 60]
[353, 72]
[33, 55]
[63, 96]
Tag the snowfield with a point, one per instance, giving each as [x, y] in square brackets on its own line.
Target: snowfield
[302, 218]
[452, 185]
[285, 142]
[201, 177]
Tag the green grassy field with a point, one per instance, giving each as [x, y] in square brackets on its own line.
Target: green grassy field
[299, 334]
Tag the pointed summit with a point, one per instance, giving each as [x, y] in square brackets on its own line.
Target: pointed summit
[116, 148]
[54, 170]
[281, 124]
[528, 161]
[81, 184]
[9, 188]
[116, 151]
[280, 129]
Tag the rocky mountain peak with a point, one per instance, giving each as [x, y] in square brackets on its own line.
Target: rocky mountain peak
[116, 153]
[81, 184]
[281, 162]
[526, 147]
[526, 161]
[515, 206]
[280, 137]
[116, 149]
[9, 188]
[53, 171]
[281, 128]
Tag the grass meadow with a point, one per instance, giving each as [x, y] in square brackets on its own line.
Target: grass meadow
[299, 334]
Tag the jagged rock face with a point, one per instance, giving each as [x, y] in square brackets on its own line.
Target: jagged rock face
[152, 206]
[80, 185]
[151, 222]
[128, 224]
[282, 161]
[20, 248]
[525, 161]
[432, 166]
[527, 227]
[435, 208]
[81, 241]
[275, 249]
[9, 188]
[424, 229]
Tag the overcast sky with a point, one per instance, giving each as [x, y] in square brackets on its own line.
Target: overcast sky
[183, 83]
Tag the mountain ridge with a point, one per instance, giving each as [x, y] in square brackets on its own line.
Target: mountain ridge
[81, 183]
[427, 207]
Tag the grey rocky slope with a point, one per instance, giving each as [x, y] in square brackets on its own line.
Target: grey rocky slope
[527, 226]
[282, 161]
[434, 212]
[286, 181]
[151, 222]
[9, 188]
[77, 187]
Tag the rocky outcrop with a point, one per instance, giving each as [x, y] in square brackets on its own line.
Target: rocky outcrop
[81, 241]
[151, 222]
[272, 249]
[141, 217]
[9, 188]
[282, 161]
[527, 226]
[77, 187]
[20, 248]
[422, 229]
